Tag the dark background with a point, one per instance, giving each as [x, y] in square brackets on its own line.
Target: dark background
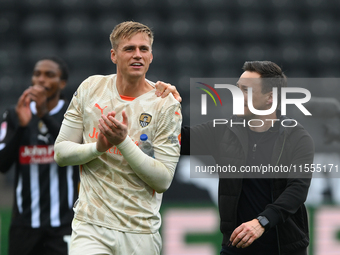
[198, 38]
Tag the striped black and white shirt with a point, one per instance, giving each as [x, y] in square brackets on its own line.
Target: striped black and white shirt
[44, 192]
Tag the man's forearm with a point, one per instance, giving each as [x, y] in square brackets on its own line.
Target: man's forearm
[158, 175]
[69, 153]
[69, 150]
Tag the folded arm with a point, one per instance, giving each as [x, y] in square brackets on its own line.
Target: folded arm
[157, 173]
[69, 150]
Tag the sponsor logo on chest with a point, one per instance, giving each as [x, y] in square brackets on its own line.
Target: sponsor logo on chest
[36, 154]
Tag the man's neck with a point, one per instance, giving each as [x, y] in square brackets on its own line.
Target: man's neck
[268, 122]
[132, 87]
[52, 102]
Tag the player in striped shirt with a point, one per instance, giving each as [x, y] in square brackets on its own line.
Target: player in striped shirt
[44, 192]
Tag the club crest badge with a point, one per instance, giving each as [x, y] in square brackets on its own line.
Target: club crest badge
[144, 119]
[42, 127]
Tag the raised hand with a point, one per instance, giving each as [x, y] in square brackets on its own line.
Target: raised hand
[163, 89]
[114, 131]
[23, 108]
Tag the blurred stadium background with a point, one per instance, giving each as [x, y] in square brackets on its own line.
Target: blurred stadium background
[196, 38]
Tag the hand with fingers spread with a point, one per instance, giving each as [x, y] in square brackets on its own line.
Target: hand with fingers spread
[35, 93]
[163, 89]
[112, 131]
[246, 234]
[23, 108]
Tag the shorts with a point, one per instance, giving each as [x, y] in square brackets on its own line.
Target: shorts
[91, 239]
[39, 241]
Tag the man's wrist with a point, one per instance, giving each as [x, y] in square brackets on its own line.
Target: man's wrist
[124, 143]
[264, 222]
[95, 150]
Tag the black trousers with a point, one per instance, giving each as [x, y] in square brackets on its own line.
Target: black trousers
[231, 252]
[39, 241]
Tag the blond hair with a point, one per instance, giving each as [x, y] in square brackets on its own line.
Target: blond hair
[126, 30]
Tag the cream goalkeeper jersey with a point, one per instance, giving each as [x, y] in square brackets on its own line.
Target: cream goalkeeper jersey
[111, 194]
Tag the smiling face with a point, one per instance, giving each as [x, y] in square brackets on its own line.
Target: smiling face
[260, 101]
[133, 56]
[47, 73]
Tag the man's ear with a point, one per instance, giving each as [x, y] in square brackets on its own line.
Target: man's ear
[62, 84]
[113, 56]
[270, 98]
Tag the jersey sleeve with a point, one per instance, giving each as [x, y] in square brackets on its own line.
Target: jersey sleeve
[168, 134]
[10, 136]
[69, 147]
[74, 114]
